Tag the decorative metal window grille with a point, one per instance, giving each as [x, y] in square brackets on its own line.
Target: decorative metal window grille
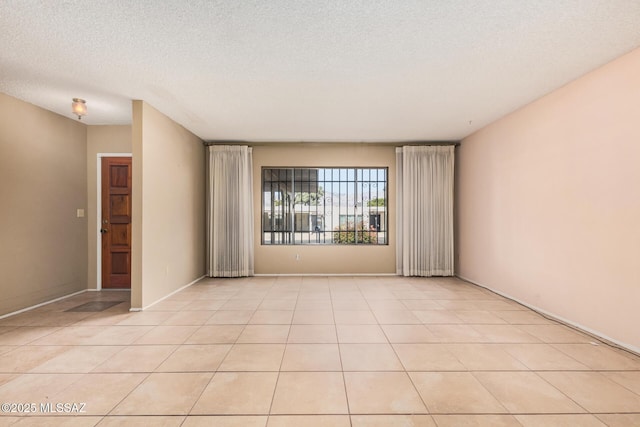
[310, 206]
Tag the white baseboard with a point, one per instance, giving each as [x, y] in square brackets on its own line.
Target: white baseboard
[13, 313]
[324, 275]
[168, 295]
[596, 334]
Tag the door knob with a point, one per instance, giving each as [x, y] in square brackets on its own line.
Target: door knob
[103, 230]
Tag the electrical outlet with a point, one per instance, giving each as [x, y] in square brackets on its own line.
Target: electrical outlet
[297, 257]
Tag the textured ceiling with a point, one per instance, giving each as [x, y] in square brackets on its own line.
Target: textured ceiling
[310, 70]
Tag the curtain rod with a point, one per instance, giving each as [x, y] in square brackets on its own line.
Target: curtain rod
[315, 143]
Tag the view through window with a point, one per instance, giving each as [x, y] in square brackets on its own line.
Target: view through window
[306, 206]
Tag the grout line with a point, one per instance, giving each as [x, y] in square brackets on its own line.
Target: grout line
[286, 343]
[214, 373]
[128, 394]
[344, 379]
[560, 391]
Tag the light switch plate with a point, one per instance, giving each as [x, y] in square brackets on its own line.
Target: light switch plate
[80, 213]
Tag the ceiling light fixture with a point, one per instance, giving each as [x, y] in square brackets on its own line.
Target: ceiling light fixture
[79, 107]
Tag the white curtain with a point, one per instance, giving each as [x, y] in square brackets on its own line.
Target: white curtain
[424, 196]
[230, 211]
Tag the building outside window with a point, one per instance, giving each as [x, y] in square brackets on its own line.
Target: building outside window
[324, 206]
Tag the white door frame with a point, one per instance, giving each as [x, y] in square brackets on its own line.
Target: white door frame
[99, 212]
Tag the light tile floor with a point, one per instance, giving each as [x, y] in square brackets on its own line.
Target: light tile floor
[311, 351]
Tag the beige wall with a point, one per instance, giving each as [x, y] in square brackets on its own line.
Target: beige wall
[374, 259]
[43, 244]
[168, 206]
[100, 139]
[549, 203]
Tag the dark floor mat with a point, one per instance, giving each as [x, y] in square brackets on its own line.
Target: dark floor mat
[95, 306]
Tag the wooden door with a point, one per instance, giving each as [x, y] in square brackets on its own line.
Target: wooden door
[116, 222]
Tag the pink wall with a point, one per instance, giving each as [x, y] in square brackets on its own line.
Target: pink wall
[548, 203]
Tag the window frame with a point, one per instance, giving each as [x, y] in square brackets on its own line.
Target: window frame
[361, 209]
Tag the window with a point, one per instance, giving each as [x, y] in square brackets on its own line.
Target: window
[311, 206]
